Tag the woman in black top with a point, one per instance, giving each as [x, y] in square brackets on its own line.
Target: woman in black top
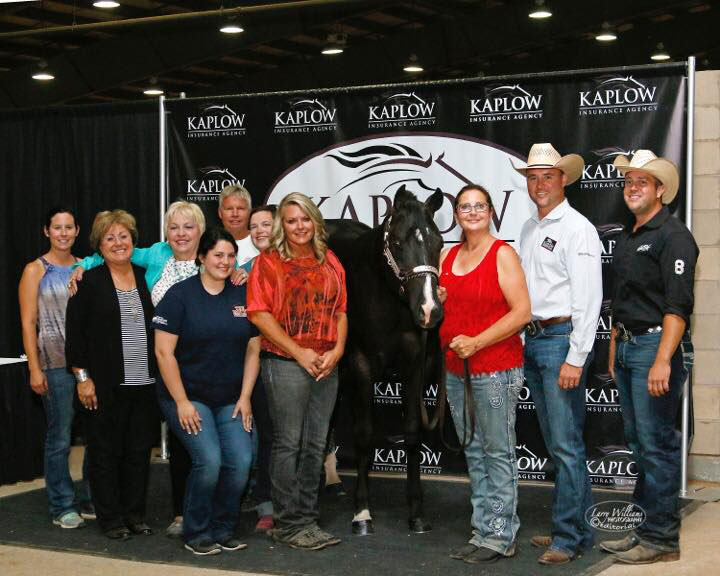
[108, 338]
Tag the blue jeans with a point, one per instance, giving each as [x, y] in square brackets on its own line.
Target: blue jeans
[561, 414]
[651, 433]
[221, 456]
[300, 409]
[490, 457]
[59, 413]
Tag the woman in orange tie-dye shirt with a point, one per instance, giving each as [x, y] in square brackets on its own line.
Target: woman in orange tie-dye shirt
[297, 299]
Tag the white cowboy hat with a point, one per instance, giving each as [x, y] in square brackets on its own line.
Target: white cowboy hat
[545, 156]
[661, 168]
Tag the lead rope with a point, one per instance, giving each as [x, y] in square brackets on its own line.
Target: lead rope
[439, 418]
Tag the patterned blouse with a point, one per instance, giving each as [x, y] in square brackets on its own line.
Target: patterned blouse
[173, 272]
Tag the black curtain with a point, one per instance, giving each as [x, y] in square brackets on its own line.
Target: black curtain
[89, 158]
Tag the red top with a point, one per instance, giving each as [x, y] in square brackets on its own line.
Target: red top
[303, 295]
[474, 303]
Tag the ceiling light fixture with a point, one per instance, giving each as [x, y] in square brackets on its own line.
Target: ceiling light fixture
[231, 26]
[106, 4]
[153, 89]
[606, 33]
[541, 10]
[660, 54]
[335, 44]
[42, 72]
[413, 65]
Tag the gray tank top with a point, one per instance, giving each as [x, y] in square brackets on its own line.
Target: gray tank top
[52, 301]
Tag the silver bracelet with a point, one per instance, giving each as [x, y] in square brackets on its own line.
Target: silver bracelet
[81, 375]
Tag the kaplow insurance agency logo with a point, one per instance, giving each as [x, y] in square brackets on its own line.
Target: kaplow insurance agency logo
[618, 95]
[530, 465]
[615, 466]
[304, 115]
[608, 239]
[601, 395]
[216, 120]
[506, 102]
[600, 173]
[358, 180]
[402, 110]
[210, 183]
[394, 459]
[390, 393]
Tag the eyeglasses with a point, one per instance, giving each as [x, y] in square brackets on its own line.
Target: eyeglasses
[466, 208]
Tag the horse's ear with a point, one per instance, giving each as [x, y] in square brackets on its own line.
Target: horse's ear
[402, 195]
[435, 200]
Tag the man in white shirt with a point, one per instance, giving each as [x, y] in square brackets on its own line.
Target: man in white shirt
[560, 252]
[234, 205]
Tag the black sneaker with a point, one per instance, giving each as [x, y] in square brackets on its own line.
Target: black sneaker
[231, 544]
[204, 548]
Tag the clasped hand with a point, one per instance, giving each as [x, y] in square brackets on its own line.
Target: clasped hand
[318, 365]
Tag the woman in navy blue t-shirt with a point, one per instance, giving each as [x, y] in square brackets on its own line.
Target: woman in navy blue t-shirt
[208, 355]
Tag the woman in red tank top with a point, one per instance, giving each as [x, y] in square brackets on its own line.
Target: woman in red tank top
[486, 305]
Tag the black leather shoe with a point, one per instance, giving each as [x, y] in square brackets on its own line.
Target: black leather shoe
[482, 556]
[140, 528]
[119, 533]
[463, 551]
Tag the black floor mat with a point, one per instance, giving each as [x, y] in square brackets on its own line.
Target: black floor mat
[392, 550]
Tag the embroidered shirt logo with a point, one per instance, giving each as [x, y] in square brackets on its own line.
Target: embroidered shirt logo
[159, 320]
[548, 243]
[239, 312]
[643, 248]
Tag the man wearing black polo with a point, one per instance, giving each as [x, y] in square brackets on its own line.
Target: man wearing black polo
[654, 266]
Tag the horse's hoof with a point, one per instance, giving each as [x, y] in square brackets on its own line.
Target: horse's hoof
[419, 525]
[363, 527]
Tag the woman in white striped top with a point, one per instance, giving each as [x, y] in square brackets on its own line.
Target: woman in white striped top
[108, 336]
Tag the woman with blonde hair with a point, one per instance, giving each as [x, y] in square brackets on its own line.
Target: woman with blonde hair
[109, 343]
[297, 299]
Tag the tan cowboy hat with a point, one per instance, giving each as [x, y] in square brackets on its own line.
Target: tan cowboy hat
[545, 156]
[660, 168]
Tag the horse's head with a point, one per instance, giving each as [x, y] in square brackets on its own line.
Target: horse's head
[412, 244]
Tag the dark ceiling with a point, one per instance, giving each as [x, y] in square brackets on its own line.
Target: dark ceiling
[280, 48]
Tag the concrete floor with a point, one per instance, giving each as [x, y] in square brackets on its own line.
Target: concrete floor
[700, 544]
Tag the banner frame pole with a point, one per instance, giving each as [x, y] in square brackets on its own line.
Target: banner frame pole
[164, 451]
[685, 443]
[452, 82]
[163, 191]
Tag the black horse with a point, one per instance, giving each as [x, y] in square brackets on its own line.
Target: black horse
[393, 315]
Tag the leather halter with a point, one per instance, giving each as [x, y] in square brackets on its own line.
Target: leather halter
[403, 275]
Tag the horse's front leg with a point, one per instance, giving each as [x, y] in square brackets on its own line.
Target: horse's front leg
[362, 383]
[413, 391]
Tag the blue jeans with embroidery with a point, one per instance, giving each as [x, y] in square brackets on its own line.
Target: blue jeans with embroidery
[59, 413]
[561, 414]
[652, 435]
[491, 461]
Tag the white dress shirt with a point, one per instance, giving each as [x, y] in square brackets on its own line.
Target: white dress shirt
[561, 259]
[245, 250]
